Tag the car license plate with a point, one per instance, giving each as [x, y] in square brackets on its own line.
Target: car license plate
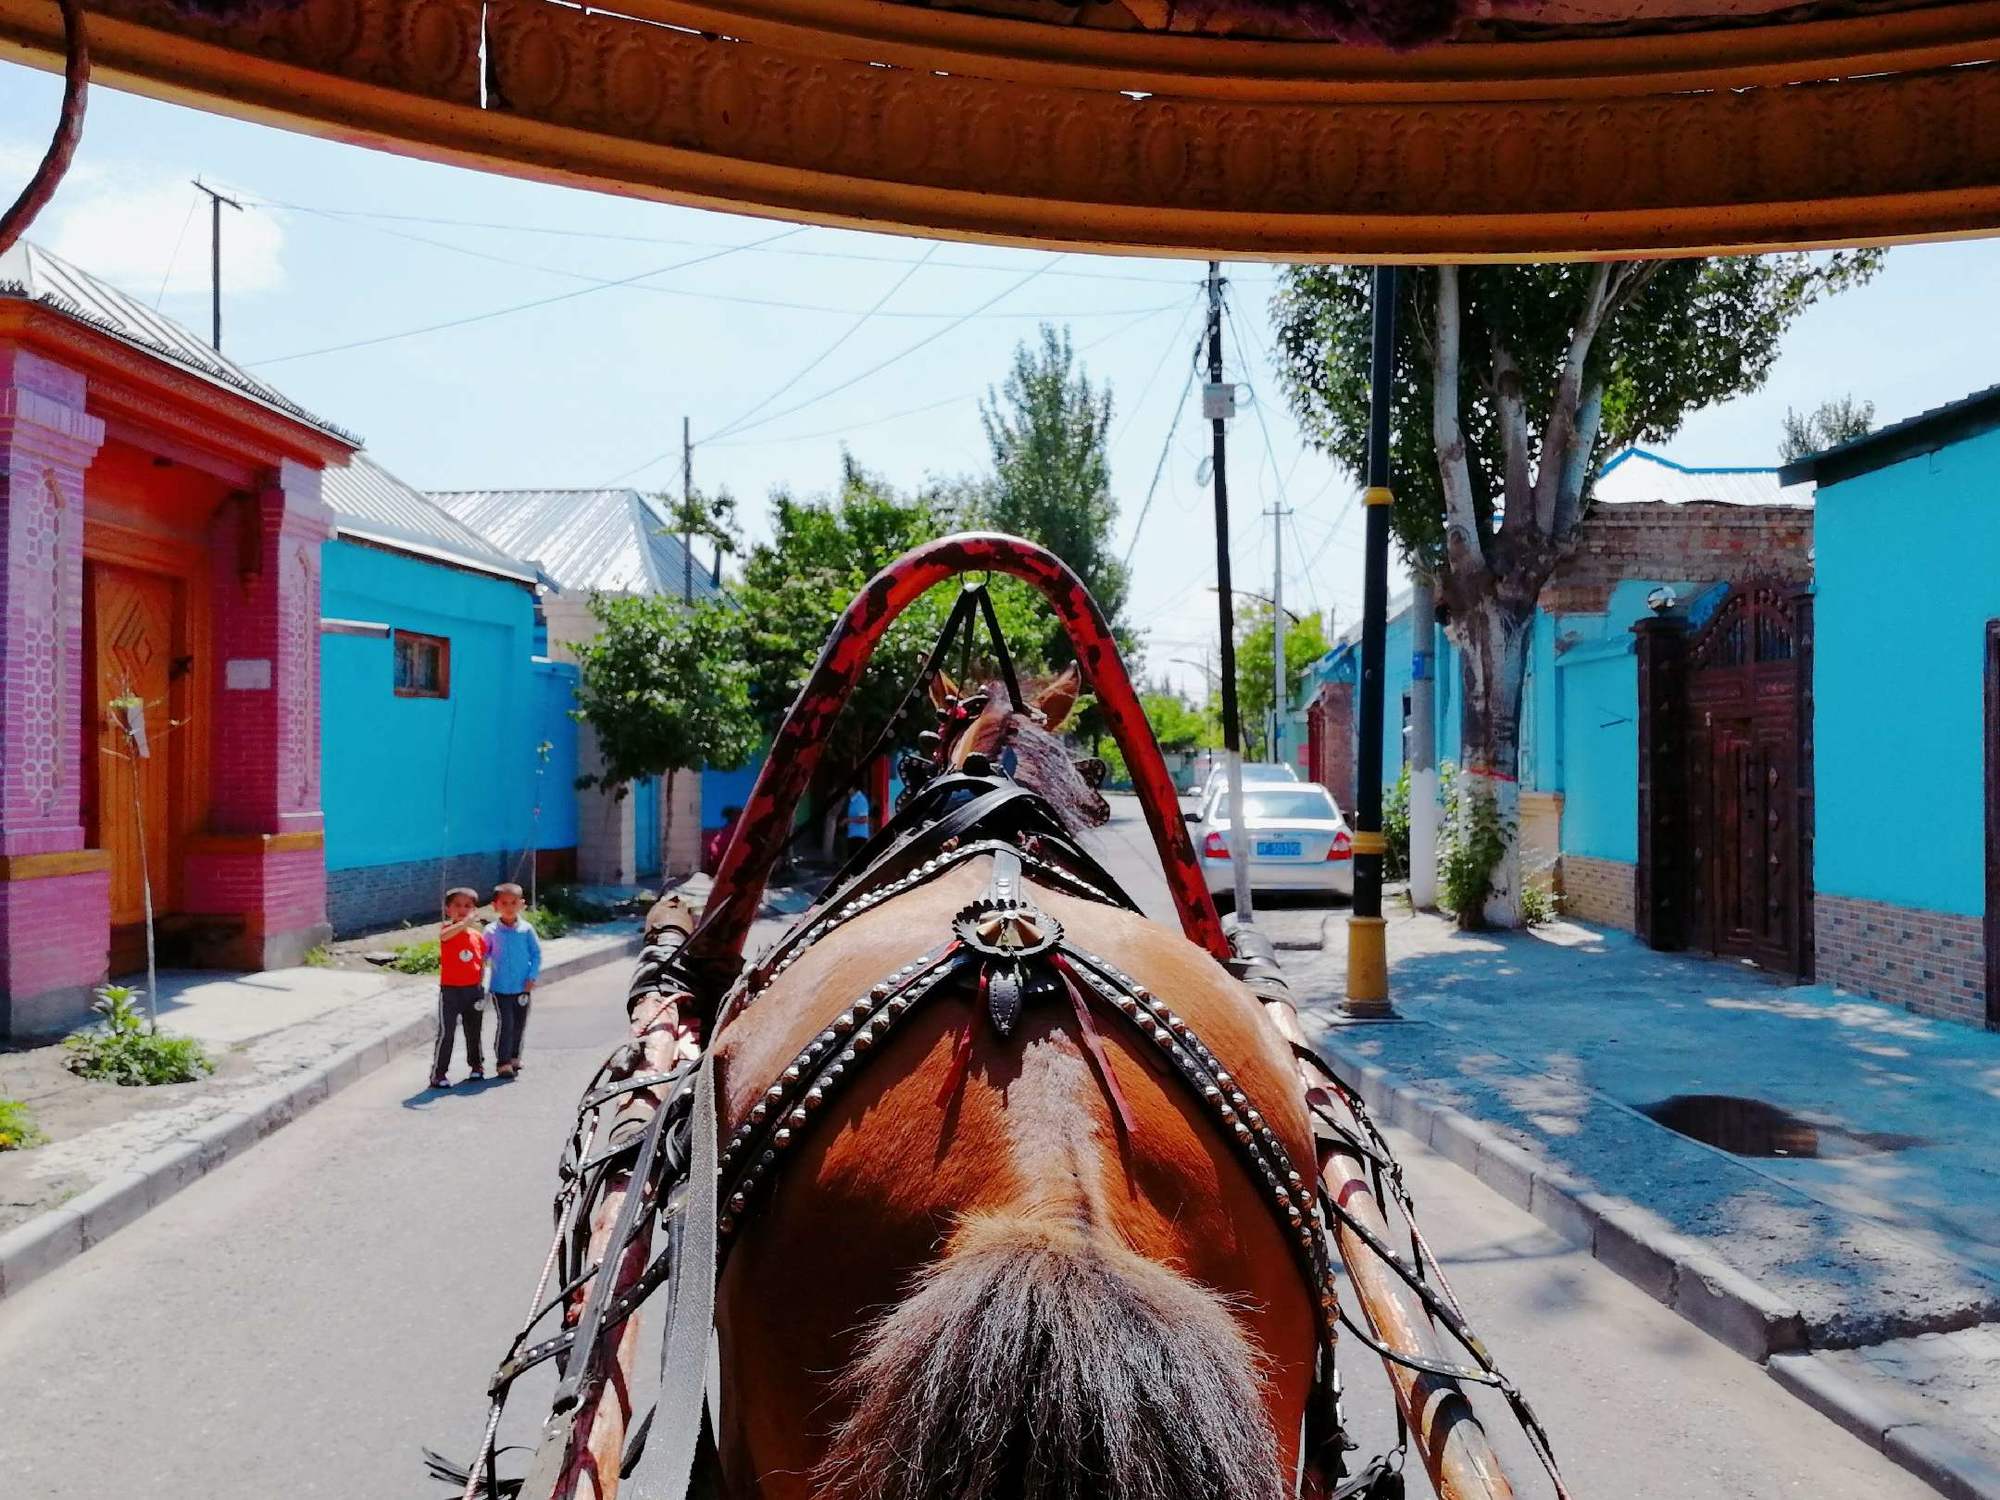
[1277, 848]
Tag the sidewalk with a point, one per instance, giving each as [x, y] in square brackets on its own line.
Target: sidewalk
[1850, 1233]
[283, 1040]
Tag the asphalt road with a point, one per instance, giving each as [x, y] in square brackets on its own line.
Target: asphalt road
[303, 1320]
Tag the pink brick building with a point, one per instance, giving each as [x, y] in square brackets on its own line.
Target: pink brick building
[160, 534]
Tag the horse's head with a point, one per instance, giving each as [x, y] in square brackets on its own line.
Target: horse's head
[1024, 743]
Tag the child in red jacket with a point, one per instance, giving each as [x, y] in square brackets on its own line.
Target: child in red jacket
[461, 986]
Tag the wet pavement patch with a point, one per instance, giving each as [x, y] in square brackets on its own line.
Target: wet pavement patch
[1756, 1127]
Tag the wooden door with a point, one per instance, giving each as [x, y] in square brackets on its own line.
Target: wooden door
[1748, 782]
[134, 619]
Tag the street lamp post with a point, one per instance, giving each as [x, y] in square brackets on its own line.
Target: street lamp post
[1367, 934]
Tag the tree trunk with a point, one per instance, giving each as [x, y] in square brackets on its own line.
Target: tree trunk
[1494, 633]
[666, 830]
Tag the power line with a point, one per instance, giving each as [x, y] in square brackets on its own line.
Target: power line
[174, 259]
[501, 312]
[824, 354]
[1312, 590]
[644, 239]
[731, 298]
[1166, 447]
[1166, 354]
[928, 406]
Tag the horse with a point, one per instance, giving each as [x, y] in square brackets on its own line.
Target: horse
[1020, 1258]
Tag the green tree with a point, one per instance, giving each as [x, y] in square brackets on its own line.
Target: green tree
[665, 690]
[1833, 422]
[699, 515]
[822, 550]
[1305, 643]
[1512, 384]
[1051, 480]
[1177, 724]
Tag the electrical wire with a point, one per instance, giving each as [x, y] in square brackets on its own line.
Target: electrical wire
[731, 298]
[928, 406]
[819, 359]
[501, 312]
[194, 202]
[1166, 447]
[1166, 354]
[645, 239]
[1312, 590]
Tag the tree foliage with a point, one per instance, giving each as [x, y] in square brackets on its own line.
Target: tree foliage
[1672, 337]
[1177, 724]
[1305, 643]
[1839, 420]
[1051, 482]
[822, 550]
[664, 687]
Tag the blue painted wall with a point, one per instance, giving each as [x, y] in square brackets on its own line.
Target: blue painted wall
[1906, 575]
[419, 778]
[555, 690]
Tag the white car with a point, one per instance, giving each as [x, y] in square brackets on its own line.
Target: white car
[1255, 773]
[1298, 840]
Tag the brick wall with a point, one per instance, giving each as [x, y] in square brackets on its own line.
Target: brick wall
[1697, 542]
[1598, 890]
[378, 896]
[1934, 962]
[1330, 741]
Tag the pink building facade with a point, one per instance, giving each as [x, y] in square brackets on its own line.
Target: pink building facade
[160, 533]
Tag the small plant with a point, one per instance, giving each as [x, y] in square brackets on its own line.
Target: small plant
[126, 1052]
[546, 921]
[318, 956]
[1396, 828]
[574, 907]
[18, 1129]
[1471, 840]
[416, 958]
[1539, 903]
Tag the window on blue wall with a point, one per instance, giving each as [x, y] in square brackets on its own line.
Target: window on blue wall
[423, 665]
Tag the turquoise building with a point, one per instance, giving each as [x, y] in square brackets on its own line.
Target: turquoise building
[447, 752]
[1659, 534]
[1906, 872]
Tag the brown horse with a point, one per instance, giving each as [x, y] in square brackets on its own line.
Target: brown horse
[1012, 1275]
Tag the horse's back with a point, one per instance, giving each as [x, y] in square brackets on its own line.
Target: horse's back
[907, 1151]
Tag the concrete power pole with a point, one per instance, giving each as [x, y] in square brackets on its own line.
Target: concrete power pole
[215, 202]
[1425, 814]
[687, 515]
[1279, 695]
[1217, 401]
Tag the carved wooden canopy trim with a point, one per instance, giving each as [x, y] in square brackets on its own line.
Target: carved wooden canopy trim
[1872, 127]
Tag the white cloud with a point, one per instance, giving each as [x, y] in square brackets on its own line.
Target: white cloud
[132, 226]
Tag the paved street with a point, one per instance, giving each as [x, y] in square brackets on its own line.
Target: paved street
[302, 1320]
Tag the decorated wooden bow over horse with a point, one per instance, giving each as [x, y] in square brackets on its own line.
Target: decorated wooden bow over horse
[984, 1184]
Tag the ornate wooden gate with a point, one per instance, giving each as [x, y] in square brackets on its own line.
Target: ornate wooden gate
[1726, 818]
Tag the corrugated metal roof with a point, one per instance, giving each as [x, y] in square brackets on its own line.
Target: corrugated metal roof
[1636, 474]
[1926, 432]
[614, 541]
[370, 504]
[29, 272]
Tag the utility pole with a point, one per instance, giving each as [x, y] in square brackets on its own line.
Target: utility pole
[215, 202]
[687, 514]
[1367, 934]
[1424, 810]
[1277, 513]
[1218, 400]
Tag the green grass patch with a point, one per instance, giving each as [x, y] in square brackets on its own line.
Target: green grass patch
[547, 921]
[319, 956]
[416, 958]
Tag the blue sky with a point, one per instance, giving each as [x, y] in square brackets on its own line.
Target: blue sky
[767, 349]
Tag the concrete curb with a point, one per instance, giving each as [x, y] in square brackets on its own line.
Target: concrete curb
[30, 1251]
[1673, 1270]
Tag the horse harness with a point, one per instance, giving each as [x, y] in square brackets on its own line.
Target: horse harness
[1011, 954]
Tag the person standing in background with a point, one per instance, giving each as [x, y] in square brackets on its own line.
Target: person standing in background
[514, 963]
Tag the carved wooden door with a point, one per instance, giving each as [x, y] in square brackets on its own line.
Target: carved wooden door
[1749, 781]
[132, 651]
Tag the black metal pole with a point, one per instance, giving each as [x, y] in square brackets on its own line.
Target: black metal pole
[1367, 945]
[215, 202]
[1232, 729]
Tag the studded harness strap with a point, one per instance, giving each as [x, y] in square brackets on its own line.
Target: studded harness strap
[1011, 954]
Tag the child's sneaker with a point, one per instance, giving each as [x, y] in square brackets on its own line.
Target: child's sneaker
[440, 1083]
[477, 1075]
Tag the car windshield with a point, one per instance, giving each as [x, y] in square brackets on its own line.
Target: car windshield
[1294, 803]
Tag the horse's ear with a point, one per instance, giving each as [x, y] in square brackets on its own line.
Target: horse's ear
[943, 691]
[1058, 696]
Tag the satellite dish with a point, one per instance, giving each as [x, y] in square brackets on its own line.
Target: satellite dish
[1204, 470]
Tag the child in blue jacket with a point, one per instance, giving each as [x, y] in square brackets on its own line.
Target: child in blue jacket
[514, 962]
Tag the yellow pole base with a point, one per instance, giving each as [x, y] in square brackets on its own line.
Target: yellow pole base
[1367, 968]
